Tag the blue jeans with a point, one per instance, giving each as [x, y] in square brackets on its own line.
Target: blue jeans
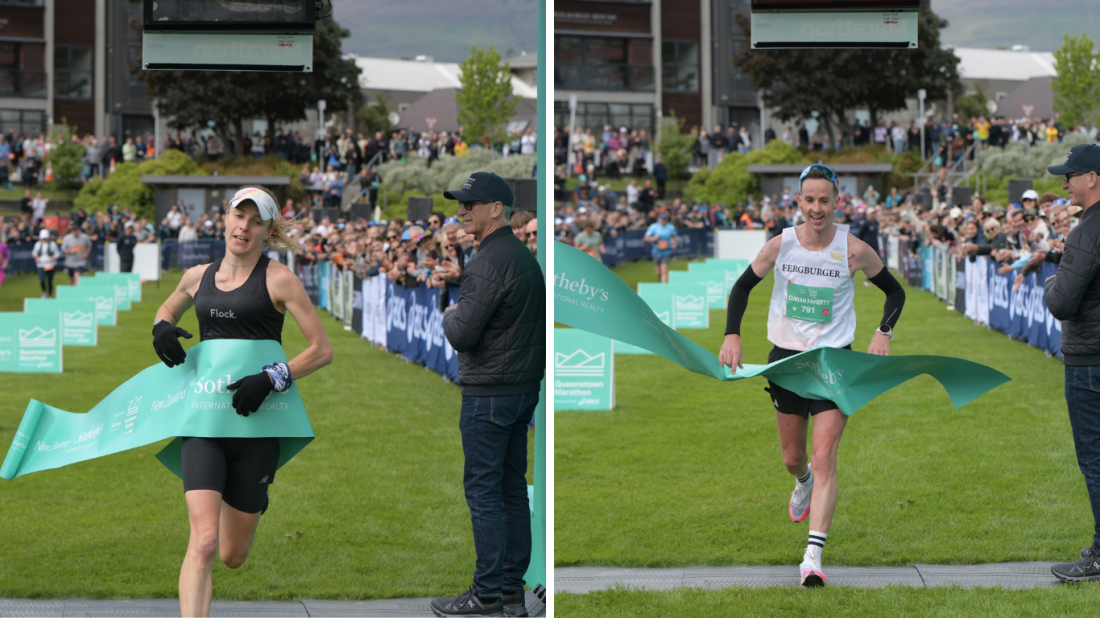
[1083, 400]
[494, 441]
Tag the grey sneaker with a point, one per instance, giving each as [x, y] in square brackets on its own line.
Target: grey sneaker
[515, 603]
[799, 507]
[1085, 569]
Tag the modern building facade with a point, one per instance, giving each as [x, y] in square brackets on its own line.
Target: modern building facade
[66, 62]
[630, 62]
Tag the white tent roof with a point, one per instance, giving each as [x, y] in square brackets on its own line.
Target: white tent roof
[414, 76]
[1003, 64]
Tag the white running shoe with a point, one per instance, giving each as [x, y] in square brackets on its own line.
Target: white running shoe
[799, 507]
[812, 575]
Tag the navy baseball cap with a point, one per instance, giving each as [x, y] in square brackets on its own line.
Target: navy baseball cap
[484, 187]
[1081, 158]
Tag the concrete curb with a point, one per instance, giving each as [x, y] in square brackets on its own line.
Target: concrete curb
[1014, 575]
[171, 607]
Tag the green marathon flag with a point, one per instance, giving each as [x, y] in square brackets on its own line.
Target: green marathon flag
[689, 302]
[120, 288]
[161, 403]
[713, 281]
[132, 279]
[848, 378]
[584, 371]
[730, 269]
[106, 313]
[30, 342]
[78, 318]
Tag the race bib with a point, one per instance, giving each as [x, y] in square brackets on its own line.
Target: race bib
[809, 304]
[662, 245]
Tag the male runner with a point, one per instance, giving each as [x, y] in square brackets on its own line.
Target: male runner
[812, 306]
[663, 237]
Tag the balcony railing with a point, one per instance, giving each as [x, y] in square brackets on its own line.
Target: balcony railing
[22, 83]
[578, 76]
[23, 2]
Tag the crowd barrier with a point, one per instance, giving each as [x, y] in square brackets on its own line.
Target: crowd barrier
[628, 246]
[404, 320]
[975, 289]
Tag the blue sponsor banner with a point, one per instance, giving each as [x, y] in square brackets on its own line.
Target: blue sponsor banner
[927, 267]
[1023, 314]
[629, 246]
[414, 327]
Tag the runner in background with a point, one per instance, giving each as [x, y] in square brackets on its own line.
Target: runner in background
[812, 305]
[590, 241]
[5, 257]
[662, 236]
[76, 248]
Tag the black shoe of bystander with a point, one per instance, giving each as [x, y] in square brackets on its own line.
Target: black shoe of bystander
[1085, 569]
[468, 604]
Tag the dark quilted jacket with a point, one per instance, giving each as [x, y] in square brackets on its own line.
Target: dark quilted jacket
[1073, 294]
[498, 326]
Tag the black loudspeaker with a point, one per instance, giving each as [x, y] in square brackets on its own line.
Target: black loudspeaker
[962, 196]
[360, 210]
[527, 193]
[923, 200]
[1016, 188]
[420, 208]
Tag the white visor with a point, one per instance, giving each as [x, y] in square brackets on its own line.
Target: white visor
[263, 201]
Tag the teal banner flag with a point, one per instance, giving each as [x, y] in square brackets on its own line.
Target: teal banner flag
[161, 403]
[30, 343]
[78, 323]
[106, 311]
[133, 280]
[590, 297]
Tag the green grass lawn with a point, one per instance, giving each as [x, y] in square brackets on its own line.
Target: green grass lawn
[687, 470]
[373, 508]
[832, 602]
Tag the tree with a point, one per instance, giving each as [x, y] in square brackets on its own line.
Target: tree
[485, 101]
[1077, 83]
[674, 145]
[798, 82]
[374, 118]
[194, 99]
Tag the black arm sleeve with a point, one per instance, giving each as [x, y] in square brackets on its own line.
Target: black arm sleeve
[895, 296]
[985, 250]
[739, 300]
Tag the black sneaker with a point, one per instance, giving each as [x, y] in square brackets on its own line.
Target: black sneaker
[1086, 569]
[468, 604]
[515, 603]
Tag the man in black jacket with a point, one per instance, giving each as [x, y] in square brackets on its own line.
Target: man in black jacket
[1073, 296]
[498, 328]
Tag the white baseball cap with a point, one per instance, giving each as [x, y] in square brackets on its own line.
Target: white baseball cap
[1030, 194]
[268, 209]
[44, 234]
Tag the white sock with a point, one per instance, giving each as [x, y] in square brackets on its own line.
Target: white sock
[816, 545]
[806, 480]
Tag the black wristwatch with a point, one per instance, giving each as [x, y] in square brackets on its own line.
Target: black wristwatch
[886, 330]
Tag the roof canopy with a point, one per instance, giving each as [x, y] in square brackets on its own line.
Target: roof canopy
[1003, 64]
[840, 168]
[416, 76]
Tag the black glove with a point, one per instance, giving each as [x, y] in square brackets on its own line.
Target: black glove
[250, 392]
[166, 343]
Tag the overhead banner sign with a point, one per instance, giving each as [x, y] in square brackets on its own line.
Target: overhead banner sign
[584, 371]
[30, 342]
[78, 318]
[104, 299]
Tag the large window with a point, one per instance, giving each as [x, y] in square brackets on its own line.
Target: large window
[680, 66]
[597, 115]
[72, 72]
[22, 70]
[599, 63]
[25, 122]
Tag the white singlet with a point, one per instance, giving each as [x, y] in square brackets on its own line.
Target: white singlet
[812, 302]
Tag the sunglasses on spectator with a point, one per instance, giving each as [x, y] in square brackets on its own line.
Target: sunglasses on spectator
[534, 233]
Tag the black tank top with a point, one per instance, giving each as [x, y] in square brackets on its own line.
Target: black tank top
[244, 313]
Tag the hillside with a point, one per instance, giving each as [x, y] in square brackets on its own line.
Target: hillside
[443, 29]
[1004, 23]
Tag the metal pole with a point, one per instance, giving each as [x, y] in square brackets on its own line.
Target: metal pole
[572, 129]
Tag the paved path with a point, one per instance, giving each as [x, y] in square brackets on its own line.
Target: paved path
[580, 580]
[276, 609]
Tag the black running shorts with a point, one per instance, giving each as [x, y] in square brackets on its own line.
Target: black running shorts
[239, 468]
[788, 402]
